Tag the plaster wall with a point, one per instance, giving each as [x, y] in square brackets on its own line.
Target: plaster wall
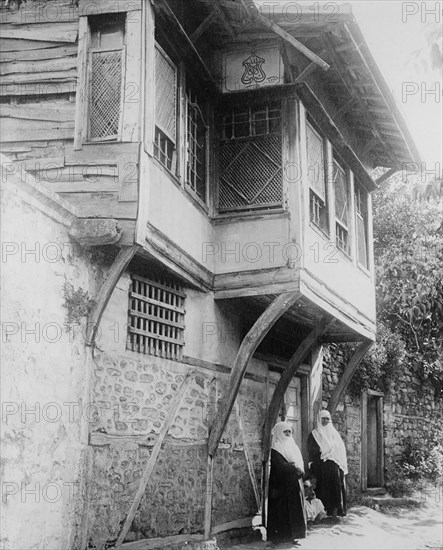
[44, 452]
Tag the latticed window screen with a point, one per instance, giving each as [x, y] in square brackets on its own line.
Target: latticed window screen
[251, 158]
[165, 94]
[341, 207]
[105, 93]
[361, 208]
[195, 149]
[156, 317]
[316, 163]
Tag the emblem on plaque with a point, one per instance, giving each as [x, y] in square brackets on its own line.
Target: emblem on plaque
[254, 73]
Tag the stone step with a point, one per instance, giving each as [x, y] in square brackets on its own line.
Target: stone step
[375, 491]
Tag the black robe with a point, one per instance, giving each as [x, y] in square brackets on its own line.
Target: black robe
[286, 517]
[330, 488]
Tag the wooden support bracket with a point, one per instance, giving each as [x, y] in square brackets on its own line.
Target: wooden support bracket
[285, 379]
[256, 15]
[351, 367]
[101, 300]
[250, 343]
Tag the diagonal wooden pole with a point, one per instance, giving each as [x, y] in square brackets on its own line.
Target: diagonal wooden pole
[351, 367]
[175, 403]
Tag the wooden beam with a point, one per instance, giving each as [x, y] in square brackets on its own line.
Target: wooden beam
[256, 15]
[172, 16]
[386, 175]
[208, 500]
[351, 367]
[204, 25]
[224, 19]
[102, 298]
[287, 375]
[173, 408]
[309, 69]
[250, 343]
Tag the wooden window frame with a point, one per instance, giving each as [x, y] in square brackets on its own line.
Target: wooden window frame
[318, 206]
[82, 126]
[363, 217]
[342, 230]
[156, 316]
[191, 148]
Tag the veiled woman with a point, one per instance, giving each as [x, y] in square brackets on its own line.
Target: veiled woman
[286, 513]
[328, 464]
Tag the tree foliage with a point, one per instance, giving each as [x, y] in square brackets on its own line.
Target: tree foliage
[409, 274]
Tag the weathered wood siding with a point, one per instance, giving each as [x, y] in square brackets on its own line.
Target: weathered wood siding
[39, 84]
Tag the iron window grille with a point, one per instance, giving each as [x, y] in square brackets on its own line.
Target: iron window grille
[165, 108]
[361, 207]
[156, 317]
[317, 179]
[251, 158]
[341, 193]
[196, 136]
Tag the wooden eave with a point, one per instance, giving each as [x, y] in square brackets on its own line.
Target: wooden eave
[379, 126]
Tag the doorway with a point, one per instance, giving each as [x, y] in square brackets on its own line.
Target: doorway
[372, 459]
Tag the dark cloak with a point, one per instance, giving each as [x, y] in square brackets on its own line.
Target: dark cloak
[286, 518]
[330, 488]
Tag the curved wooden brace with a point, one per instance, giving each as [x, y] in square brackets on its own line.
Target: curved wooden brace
[101, 300]
[285, 379]
[351, 367]
[250, 343]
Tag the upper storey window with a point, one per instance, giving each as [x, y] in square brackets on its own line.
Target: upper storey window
[251, 158]
[196, 145]
[106, 61]
[317, 180]
[165, 109]
[341, 191]
[361, 210]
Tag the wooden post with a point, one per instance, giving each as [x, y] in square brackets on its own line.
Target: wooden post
[250, 343]
[285, 379]
[102, 298]
[351, 367]
[208, 503]
[175, 403]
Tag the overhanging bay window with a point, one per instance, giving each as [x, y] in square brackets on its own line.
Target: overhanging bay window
[318, 206]
[341, 191]
[250, 154]
[361, 213]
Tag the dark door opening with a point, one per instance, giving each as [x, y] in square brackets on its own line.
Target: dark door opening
[372, 459]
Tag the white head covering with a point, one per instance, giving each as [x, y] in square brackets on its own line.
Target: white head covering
[330, 443]
[286, 446]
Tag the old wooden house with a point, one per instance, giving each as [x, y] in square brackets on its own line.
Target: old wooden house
[210, 160]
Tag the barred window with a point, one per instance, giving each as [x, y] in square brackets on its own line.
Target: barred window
[251, 158]
[156, 317]
[196, 135]
[165, 109]
[106, 70]
[361, 212]
[316, 179]
[341, 191]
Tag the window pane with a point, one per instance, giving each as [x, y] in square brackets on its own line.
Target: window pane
[316, 169]
[165, 94]
[341, 195]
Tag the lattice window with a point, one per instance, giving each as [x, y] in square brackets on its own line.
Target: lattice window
[361, 210]
[341, 192]
[105, 94]
[195, 149]
[156, 317]
[106, 68]
[251, 158]
[316, 177]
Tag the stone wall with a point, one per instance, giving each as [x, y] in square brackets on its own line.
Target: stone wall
[410, 410]
[44, 452]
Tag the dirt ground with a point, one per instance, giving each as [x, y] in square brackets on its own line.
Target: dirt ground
[386, 528]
